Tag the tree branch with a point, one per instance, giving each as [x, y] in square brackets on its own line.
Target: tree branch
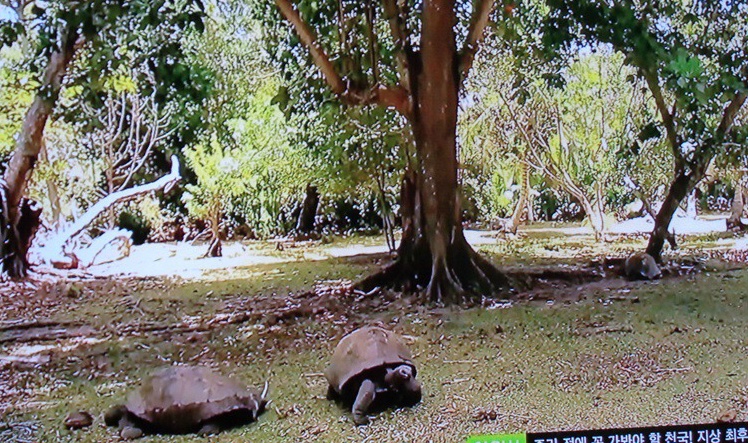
[475, 35]
[307, 37]
[728, 117]
[394, 16]
[395, 97]
[370, 21]
[667, 116]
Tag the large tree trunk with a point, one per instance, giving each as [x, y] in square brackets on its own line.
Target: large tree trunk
[13, 250]
[433, 247]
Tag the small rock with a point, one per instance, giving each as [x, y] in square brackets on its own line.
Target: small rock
[78, 420]
[484, 414]
[728, 416]
[72, 292]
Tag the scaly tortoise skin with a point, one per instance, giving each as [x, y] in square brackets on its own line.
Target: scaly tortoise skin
[372, 368]
[183, 400]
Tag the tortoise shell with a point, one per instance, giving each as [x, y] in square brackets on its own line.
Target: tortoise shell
[364, 350]
[178, 399]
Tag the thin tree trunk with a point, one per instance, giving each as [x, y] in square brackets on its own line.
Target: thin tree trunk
[735, 221]
[54, 193]
[386, 213]
[527, 185]
[679, 189]
[13, 250]
[215, 248]
[305, 223]
[109, 175]
[599, 208]
[593, 215]
[691, 210]
[523, 205]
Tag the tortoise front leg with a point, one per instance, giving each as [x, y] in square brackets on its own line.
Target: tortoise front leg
[364, 399]
[209, 428]
[411, 392]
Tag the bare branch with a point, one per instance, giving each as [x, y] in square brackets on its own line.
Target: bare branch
[54, 250]
[475, 35]
[309, 39]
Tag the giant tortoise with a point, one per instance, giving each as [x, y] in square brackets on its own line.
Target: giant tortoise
[372, 368]
[183, 400]
[642, 266]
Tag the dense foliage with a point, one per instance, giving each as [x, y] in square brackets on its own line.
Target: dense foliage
[575, 109]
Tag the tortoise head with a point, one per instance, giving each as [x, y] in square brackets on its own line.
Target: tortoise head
[402, 379]
[399, 377]
[649, 269]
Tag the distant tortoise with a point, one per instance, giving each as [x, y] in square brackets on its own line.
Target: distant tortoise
[184, 400]
[642, 266]
[372, 368]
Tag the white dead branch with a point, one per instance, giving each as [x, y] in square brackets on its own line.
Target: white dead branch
[54, 251]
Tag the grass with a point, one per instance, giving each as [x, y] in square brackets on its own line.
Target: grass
[667, 352]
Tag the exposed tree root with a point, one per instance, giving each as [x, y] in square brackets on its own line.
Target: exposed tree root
[215, 249]
[21, 325]
[463, 277]
[16, 235]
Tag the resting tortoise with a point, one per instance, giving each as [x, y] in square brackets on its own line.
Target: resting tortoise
[642, 266]
[372, 368]
[183, 400]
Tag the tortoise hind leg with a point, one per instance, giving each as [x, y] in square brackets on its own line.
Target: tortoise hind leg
[332, 394]
[364, 399]
[129, 430]
[113, 416]
[119, 416]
